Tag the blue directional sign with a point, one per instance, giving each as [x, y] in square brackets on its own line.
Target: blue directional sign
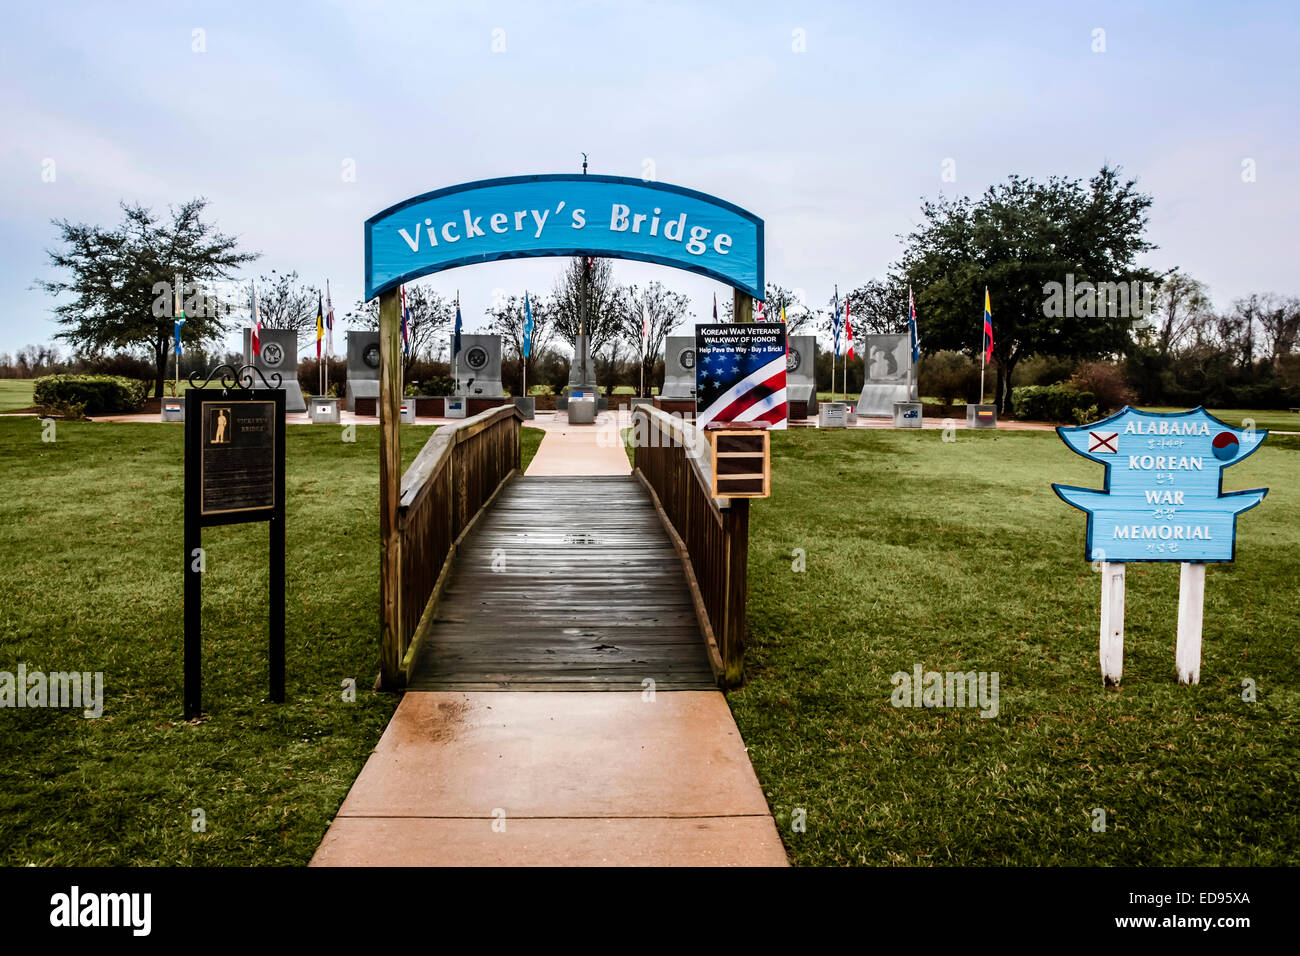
[564, 215]
[1162, 498]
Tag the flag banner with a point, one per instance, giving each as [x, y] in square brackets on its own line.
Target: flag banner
[179, 322]
[329, 321]
[848, 330]
[257, 324]
[320, 325]
[912, 330]
[455, 339]
[740, 374]
[835, 325]
[528, 326]
[988, 328]
[645, 321]
[715, 307]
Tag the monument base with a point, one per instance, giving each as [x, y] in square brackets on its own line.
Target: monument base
[324, 410]
[582, 411]
[833, 415]
[361, 388]
[907, 415]
[981, 416]
[878, 398]
[527, 407]
[173, 409]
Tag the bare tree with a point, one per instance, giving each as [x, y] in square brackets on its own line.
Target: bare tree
[1183, 312]
[507, 320]
[661, 311]
[1279, 319]
[604, 316]
[283, 302]
[431, 315]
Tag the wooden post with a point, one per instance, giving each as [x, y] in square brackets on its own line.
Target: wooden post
[1191, 613]
[1112, 623]
[389, 409]
[742, 306]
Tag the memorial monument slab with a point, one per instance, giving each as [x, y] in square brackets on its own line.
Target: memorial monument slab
[476, 368]
[890, 375]
[278, 355]
[363, 367]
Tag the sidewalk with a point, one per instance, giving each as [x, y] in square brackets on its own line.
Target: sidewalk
[546, 778]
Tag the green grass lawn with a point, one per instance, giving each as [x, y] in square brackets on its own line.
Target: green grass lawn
[958, 556]
[90, 544]
[529, 439]
[15, 393]
[1264, 419]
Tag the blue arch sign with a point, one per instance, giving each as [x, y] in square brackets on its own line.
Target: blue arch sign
[1163, 498]
[564, 215]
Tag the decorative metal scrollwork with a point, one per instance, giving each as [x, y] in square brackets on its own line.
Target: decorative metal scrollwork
[237, 378]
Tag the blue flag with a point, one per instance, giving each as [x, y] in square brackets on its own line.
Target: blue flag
[455, 341]
[835, 322]
[179, 322]
[912, 330]
[528, 326]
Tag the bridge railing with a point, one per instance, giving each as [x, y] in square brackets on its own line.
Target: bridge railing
[672, 459]
[455, 474]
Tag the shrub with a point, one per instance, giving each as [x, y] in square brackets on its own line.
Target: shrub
[95, 394]
[1053, 403]
[949, 376]
[1106, 382]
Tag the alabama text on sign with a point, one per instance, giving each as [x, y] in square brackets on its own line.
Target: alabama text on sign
[1162, 499]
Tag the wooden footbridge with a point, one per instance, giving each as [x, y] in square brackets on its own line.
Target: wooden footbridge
[496, 581]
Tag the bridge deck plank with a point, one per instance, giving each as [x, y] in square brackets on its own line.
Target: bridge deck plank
[565, 584]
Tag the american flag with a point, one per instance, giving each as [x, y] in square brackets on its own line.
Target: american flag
[740, 374]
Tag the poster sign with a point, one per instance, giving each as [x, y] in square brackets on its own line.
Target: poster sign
[740, 374]
[1162, 498]
[564, 215]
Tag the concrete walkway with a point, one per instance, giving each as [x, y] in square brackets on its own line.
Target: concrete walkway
[545, 778]
[580, 449]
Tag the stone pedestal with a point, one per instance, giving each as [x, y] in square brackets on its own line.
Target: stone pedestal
[173, 409]
[981, 416]
[907, 414]
[454, 406]
[582, 411]
[527, 407]
[833, 415]
[324, 410]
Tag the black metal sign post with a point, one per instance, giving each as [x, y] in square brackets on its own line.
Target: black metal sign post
[234, 473]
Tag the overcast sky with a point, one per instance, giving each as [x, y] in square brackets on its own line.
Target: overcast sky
[834, 147]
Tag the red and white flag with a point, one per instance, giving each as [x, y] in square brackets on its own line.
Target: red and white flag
[257, 324]
[848, 329]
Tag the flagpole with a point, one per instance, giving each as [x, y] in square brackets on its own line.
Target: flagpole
[983, 351]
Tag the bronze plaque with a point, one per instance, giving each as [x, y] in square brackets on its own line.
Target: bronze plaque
[237, 471]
